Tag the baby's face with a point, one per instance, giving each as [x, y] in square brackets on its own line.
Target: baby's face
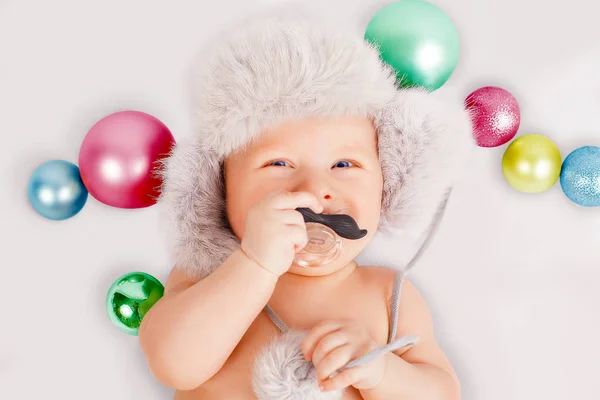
[335, 159]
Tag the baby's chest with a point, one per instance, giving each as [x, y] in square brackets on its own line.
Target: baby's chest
[234, 379]
[367, 308]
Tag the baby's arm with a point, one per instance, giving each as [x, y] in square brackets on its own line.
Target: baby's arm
[190, 332]
[423, 371]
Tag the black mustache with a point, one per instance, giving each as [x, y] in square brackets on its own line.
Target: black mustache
[343, 225]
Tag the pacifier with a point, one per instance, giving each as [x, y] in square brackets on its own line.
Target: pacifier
[325, 234]
[323, 246]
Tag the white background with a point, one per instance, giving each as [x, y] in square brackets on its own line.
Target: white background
[511, 278]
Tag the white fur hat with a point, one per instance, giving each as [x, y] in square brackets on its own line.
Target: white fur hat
[272, 71]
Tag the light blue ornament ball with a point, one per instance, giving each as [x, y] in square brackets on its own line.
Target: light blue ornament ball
[580, 176]
[56, 191]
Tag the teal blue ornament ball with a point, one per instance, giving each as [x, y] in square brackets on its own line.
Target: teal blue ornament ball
[130, 297]
[580, 176]
[56, 191]
[418, 40]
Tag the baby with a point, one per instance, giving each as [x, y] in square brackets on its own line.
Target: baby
[293, 116]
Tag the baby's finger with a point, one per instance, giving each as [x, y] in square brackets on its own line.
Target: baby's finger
[292, 217]
[284, 200]
[316, 334]
[327, 344]
[297, 235]
[333, 361]
[342, 380]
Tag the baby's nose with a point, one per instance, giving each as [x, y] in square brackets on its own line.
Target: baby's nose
[319, 187]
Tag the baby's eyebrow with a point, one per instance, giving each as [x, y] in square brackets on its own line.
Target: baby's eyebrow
[268, 153]
[282, 151]
[271, 151]
[350, 148]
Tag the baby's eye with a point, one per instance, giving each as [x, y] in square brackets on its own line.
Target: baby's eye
[278, 163]
[343, 164]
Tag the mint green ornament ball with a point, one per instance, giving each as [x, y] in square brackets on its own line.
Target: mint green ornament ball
[130, 297]
[418, 40]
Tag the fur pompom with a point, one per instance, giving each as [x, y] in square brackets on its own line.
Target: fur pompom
[282, 373]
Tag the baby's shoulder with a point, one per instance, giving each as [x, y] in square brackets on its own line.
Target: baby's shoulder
[380, 278]
[413, 314]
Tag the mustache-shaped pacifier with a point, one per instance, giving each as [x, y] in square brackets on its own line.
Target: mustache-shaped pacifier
[324, 237]
[343, 225]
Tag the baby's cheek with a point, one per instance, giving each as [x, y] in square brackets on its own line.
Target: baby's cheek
[237, 225]
[371, 208]
[237, 210]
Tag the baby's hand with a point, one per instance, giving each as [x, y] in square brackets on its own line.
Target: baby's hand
[333, 344]
[275, 230]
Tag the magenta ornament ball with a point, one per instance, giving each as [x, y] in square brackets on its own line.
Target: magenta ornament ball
[495, 115]
[120, 156]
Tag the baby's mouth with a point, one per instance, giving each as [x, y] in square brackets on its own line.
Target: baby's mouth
[325, 233]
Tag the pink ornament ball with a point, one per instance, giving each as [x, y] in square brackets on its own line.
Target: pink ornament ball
[119, 158]
[495, 115]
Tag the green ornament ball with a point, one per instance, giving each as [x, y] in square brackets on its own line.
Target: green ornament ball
[418, 40]
[130, 297]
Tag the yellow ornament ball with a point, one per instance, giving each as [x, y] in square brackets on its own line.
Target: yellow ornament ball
[531, 163]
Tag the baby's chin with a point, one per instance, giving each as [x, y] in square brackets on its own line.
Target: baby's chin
[322, 270]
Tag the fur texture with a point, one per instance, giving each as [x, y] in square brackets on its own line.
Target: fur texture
[273, 71]
[282, 373]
